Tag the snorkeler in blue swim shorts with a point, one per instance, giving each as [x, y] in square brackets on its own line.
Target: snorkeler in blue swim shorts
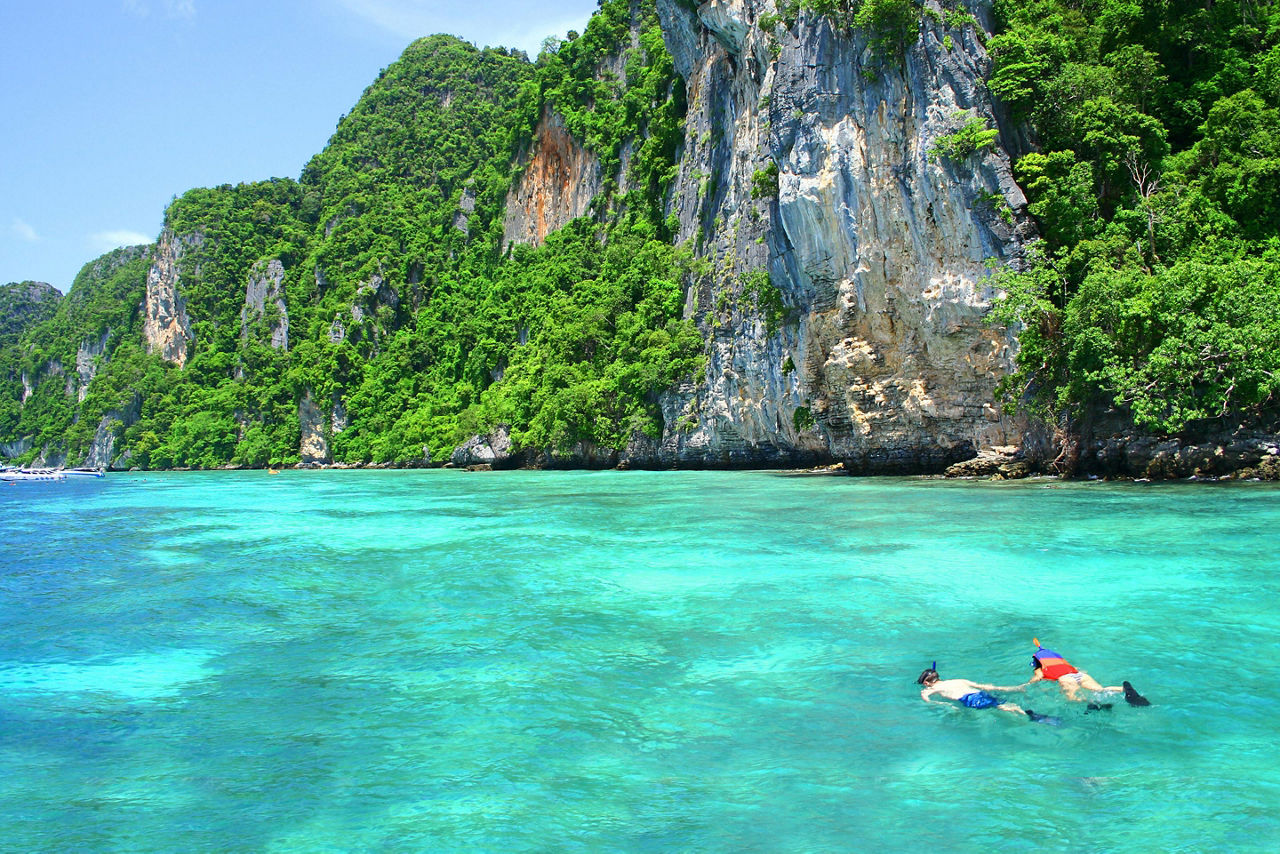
[973, 695]
[979, 700]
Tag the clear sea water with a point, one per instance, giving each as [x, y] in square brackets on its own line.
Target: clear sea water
[629, 661]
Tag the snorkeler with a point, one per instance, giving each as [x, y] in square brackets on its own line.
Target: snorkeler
[973, 695]
[1053, 667]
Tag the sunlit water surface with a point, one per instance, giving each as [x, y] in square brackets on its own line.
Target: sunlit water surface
[629, 661]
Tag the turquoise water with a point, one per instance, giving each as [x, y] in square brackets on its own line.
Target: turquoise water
[711, 661]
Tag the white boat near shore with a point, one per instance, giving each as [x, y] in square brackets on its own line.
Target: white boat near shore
[17, 475]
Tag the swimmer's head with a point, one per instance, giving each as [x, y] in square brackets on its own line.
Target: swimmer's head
[928, 676]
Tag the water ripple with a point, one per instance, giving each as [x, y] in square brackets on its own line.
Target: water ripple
[627, 661]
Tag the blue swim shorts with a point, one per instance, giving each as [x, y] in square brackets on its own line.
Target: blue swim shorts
[980, 700]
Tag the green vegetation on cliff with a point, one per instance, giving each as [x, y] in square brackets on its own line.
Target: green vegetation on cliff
[1157, 189]
[99, 314]
[409, 323]
[24, 305]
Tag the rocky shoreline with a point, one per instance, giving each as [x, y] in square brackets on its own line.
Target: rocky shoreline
[1243, 454]
[1211, 452]
[1103, 446]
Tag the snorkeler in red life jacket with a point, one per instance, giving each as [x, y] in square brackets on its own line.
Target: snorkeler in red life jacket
[1053, 667]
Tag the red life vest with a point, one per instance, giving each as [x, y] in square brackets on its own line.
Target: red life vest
[1052, 666]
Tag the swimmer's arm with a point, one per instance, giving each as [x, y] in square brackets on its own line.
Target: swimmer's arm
[926, 693]
[1021, 687]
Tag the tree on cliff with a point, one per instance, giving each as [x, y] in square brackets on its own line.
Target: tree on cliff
[1157, 192]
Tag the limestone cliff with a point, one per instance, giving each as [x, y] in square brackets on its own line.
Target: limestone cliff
[102, 451]
[264, 300]
[167, 328]
[808, 176]
[559, 180]
[848, 254]
[314, 445]
[88, 354]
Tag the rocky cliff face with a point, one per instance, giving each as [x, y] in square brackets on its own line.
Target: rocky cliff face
[807, 176]
[90, 351]
[167, 328]
[102, 451]
[264, 300]
[314, 445]
[559, 180]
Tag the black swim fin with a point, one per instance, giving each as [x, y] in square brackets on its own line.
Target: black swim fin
[1132, 697]
[1042, 719]
[1098, 707]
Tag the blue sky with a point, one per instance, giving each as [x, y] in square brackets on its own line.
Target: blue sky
[113, 107]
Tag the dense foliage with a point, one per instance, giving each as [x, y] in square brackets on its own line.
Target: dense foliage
[407, 318]
[99, 313]
[1157, 190]
[24, 305]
